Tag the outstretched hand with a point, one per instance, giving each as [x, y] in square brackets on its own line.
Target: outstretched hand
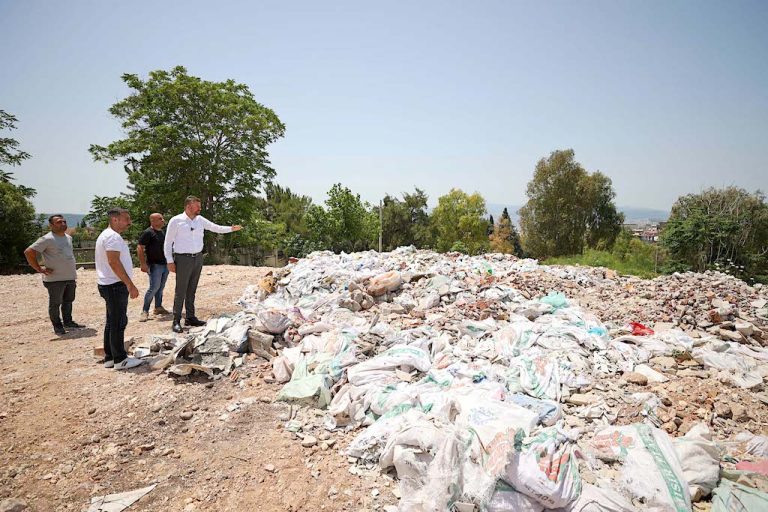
[237, 227]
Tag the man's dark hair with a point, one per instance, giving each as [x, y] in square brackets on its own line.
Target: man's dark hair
[50, 219]
[191, 199]
[114, 213]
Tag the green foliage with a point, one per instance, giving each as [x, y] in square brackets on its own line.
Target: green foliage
[636, 265]
[460, 217]
[719, 228]
[188, 136]
[282, 206]
[18, 225]
[345, 224]
[406, 221]
[568, 208]
[459, 246]
[298, 246]
[9, 153]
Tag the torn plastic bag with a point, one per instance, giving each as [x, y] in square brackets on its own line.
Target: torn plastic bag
[506, 499]
[597, 499]
[547, 411]
[650, 469]
[273, 321]
[555, 299]
[428, 463]
[699, 459]
[545, 468]
[639, 329]
[733, 497]
[306, 385]
[382, 367]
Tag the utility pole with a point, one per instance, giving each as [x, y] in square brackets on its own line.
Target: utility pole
[381, 222]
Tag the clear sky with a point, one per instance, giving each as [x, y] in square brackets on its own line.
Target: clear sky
[665, 97]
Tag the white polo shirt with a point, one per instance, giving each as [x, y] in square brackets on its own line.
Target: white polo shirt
[110, 240]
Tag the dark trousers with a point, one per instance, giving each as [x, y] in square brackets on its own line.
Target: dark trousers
[116, 297]
[188, 269]
[61, 295]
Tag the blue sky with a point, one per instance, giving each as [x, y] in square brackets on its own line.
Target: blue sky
[666, 98]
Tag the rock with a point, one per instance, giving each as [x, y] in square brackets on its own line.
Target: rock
[722, 410]
[156, 408]
[582, 399]
[13, 505]
[66, 469]
[665, 362]
[91, 410]
[739, 412]
[745, 328]
[727, 335]
[186, 415]
[270, 468]
[309, 441]
[636, 378]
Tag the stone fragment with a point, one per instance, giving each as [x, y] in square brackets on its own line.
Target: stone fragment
[13, 505]
[722, 410]
[582, 399]
[636, 378]
[186, 415]
[308, 441]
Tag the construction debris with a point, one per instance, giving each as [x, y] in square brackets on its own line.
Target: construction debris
[503, 384]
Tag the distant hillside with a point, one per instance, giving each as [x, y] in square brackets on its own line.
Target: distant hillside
[631, 213]
[73, 219]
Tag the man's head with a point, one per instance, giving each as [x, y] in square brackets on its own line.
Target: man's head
[157, 221]
[192, 206]
[119, 219]
[58, 224]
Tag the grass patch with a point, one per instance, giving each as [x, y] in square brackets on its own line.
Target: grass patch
[641, 265]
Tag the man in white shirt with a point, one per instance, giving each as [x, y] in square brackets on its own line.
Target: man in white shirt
[59, 274]
[184, 253]
[114, 269]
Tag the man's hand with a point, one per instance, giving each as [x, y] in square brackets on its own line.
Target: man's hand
[145, 268]
[133, 292]
[45, 271]
[172, 267]
[237, 227]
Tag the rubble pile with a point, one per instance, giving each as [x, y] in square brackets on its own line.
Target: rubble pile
[481, 383]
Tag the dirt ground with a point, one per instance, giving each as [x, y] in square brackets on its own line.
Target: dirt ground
[71, 429]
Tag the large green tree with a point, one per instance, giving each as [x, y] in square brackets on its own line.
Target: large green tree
[459, 222]
[727, 227]
[405, 221]
[568, 208]
[189, 136]
[345, 224]
[18, 225]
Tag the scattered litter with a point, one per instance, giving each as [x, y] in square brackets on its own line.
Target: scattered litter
[118, 502]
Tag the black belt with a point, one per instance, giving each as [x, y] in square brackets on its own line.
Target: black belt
[191, 255]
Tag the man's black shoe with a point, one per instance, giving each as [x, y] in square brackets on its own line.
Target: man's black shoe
[177, 326]
[73, 325]
[194, 322]
[59, 329]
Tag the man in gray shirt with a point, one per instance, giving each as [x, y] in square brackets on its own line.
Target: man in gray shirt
[59, 274]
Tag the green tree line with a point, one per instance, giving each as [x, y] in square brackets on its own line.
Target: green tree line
[183, 135]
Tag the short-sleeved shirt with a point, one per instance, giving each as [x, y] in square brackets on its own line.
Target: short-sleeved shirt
[58, 256]
[110, 240]
[153, 241]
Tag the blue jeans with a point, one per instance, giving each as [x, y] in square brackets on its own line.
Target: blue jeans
[158, 274]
